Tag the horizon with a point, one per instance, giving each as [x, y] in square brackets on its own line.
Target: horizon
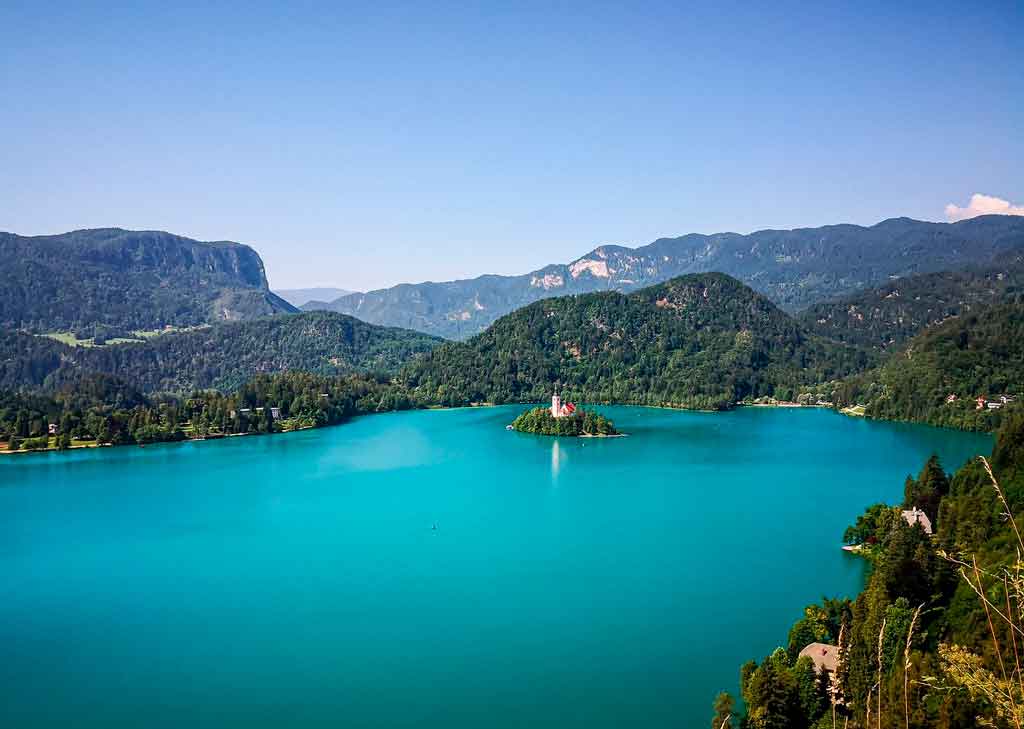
[412, 144]
[634, 246]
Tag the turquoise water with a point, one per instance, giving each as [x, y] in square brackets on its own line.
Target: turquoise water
[297, 581]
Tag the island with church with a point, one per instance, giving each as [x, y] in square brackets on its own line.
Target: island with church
[564, 418]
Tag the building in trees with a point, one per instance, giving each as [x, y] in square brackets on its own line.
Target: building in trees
[916, 516]
[824, 656]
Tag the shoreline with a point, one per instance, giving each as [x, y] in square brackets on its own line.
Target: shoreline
[475, 405]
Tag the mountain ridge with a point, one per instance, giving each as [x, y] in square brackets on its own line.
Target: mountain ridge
[795, 268]
[697, 341]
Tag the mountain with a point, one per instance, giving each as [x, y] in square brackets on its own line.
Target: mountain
[794, 268]
[886, 316]
[222, 356]
[700, 341]
[298, 297]
[128, 280]
[978, 354]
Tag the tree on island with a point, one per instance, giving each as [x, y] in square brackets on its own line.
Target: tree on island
[541, 422]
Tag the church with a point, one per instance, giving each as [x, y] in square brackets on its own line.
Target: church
[560, 409]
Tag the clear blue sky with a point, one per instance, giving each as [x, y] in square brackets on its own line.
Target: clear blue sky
[366, 145]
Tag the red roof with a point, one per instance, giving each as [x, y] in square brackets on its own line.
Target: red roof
[570, 407]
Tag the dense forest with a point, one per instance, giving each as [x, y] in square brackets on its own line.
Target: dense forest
[883, 318]
[919, 647]
[128, 280]
[221, 356]
[100, 409]
[540, 421]
[698, 341]
[980, 354]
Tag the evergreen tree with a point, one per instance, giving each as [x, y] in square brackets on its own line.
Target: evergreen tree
[725, 708]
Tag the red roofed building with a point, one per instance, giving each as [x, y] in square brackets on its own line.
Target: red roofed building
[560, 409]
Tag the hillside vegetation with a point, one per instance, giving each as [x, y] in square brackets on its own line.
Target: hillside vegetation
[222, 356]
[699, 341]
[99, 409]
[980, 354]
[884, 317]
[128, 280]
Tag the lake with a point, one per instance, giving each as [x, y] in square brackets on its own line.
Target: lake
[298, 580]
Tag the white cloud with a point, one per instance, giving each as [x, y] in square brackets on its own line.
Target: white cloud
[982, 205]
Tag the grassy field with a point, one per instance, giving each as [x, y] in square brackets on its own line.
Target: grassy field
[138, 335]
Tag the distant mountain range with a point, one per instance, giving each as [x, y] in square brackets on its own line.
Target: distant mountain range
[128, 280]
[697, 341]
[794, 268]
[222, 356]
[298, 297]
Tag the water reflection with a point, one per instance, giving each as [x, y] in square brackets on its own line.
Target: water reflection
[556, 459]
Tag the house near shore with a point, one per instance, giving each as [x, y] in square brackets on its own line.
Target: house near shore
[824, 656]
[561, 409]
[916, 516]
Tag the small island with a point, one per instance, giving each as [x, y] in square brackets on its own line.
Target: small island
[564, 419]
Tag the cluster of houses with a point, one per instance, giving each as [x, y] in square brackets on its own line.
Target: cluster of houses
[982, 403]
[275, 413]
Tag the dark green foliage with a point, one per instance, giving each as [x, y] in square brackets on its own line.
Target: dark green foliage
[907, 571]
[885, 317]
[103, 409]
[794, 268]
[927, 490]
[222, 356]
[980, 354]
[583, 422]
[128, 280]
[820, 624]
[872, 526]
[773, 696]
[701, 341]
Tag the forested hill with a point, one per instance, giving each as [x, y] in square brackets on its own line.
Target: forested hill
[885, 317]
[793, 268]
[702, 341]
[128, 280]
[222, 356]
[980, 354]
